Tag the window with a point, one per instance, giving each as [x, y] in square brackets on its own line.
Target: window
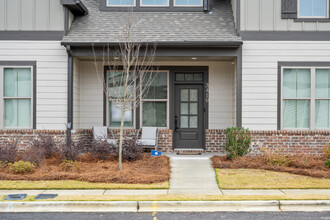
[121, 3]
[155, 102]
[17, 97]
[154, 2]
[313, 8]
[188, 3]
[306, 98]
[116, 89]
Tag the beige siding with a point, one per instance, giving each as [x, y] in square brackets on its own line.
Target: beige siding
[76, 94]
[221, 103]
[260, 61]
[51, 61]
[30, 15]
[265, 15]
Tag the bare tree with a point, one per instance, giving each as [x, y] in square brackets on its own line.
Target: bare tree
[131, 72]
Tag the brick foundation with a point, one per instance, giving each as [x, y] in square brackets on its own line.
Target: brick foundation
[293, 142]
[25, 137]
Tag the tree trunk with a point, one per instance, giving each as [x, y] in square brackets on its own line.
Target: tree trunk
[121, 135]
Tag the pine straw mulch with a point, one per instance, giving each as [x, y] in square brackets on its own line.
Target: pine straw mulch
[300, 165]
[146, 170]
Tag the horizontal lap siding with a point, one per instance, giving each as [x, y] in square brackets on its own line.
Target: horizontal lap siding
[260, 61]
[51, 61]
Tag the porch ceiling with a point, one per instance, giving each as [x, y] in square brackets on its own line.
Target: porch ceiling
[180, 59]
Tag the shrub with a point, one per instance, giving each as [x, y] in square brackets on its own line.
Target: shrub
[46, 143]
[102, 150]
[21, 167]
[70, 165]
[327, 163]
[71, 150]
[326, 151]
[238, 141]
[33, 155]
[8, 152]
[2, 164]
[131, 151]
[276, 157]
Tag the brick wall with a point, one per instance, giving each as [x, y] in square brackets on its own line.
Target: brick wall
[293, 142]
[25, 137]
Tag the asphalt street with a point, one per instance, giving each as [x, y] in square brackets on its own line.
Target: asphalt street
[171, 216]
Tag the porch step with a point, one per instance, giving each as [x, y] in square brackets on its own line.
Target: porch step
[189, 151]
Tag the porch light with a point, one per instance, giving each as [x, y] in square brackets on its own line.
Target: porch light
[194, 58]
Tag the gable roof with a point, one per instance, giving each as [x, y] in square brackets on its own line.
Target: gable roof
[158, 27]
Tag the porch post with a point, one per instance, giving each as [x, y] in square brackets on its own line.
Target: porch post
[70, 93]
[239, 88]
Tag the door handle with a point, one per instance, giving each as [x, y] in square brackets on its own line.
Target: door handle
[176, 123]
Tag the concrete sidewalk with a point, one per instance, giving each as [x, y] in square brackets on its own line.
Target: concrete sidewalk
[100, 192]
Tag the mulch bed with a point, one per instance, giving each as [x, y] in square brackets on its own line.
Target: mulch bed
[307, 166]
[147, 170]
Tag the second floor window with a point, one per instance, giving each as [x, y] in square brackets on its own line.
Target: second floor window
[154, 2]
[120, 3]
[313, 8]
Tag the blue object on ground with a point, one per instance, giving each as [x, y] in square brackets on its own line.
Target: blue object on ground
[46, 196]
[16, 197]
[155, 153]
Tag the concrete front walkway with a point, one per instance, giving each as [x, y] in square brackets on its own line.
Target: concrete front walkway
[192, 175]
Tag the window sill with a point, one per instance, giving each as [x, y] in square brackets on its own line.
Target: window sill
[312, 20]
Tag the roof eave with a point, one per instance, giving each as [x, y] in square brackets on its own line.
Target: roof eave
[236, 43]
[77, 7]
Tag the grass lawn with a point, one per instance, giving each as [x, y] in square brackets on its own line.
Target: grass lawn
[264, 179]
[72, 184]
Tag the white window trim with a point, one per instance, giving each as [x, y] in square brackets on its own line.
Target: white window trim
[2, 98]
[175, 5]
[142, 5]
[108, 113]
[158, 100]
[326, 15]
[312, 97]
[124, 6]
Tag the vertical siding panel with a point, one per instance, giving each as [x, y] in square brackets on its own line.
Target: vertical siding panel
[267, 15]
[253, 15]
[2, 15]
[26, 17]
[56, 15]
[280, 24]
[42, 15]
[12, 14]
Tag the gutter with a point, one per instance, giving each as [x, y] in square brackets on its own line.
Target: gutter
[77, 7]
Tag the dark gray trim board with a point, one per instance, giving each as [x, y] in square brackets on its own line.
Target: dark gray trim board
[34, 83]
[32, 35]
[312, 20]
[238, 17]
[163, 51]
[285, 35]
[139, 8]
[70, 93]
[279, 81]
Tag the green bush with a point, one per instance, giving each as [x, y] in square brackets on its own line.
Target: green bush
[327, 163]
[70, 165]
[21, 167]
[238, 141]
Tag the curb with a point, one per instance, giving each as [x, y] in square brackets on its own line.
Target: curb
[59, 206]
[167, 206]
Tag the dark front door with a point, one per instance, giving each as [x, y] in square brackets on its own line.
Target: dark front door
[188, 116]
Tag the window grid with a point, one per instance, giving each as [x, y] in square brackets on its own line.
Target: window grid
[146, 5]
[4, 98]
[144, 100]
[108, 107]
[312, 98]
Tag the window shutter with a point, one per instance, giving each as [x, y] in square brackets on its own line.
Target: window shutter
[289, 9]
[206, 5]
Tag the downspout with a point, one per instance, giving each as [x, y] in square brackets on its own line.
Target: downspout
[70, 94]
